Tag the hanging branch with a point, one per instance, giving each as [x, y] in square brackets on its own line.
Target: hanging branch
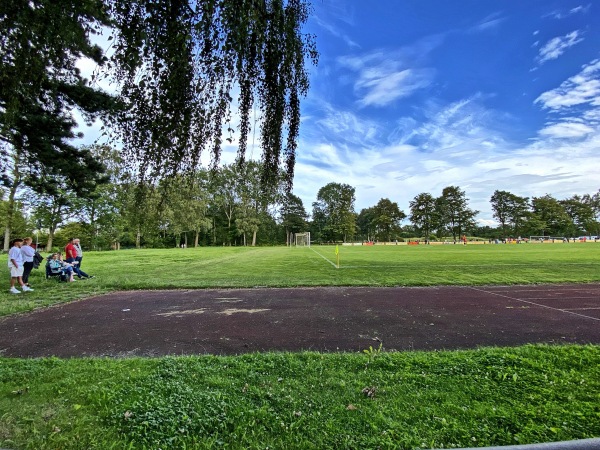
[179, 64]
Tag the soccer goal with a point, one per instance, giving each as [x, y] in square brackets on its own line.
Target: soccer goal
[302, 239]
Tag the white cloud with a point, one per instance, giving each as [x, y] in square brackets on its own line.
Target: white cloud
[463, 126]
[592, 116]
[343, 126]
[456, 144]
[335, 31]
[580, 9]
[580, 89]
[490, 22]
[561, 14]
[557, 46]
[383, 76]
[566, 130]
[380, 86]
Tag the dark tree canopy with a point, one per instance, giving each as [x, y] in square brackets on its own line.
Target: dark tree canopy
[41, 41]
[181, 62]
[180, 66]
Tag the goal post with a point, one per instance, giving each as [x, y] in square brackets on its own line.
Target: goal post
[302, 239]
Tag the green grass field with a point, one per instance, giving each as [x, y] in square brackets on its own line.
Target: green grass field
[303, 401]
[375, 399]
[392, 265]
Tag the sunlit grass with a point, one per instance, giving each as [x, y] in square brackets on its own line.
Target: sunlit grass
[242, 267]
[307, 400]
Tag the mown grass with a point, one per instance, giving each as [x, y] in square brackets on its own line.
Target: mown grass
[392, 265]
[307, 400]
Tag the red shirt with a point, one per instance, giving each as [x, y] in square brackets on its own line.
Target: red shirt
[70, 251]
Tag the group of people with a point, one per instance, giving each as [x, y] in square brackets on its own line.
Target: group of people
[20, 263]
[22, 257]
[71, 265]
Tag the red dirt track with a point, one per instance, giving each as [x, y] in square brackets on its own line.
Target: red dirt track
[154, 323]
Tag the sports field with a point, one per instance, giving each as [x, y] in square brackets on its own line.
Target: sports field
[373, 398]
[391, 265]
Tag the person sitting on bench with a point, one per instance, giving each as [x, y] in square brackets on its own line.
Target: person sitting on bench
[59, 267]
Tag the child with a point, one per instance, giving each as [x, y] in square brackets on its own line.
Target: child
[15, 264]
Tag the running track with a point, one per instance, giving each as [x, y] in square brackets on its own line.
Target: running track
[154, 323]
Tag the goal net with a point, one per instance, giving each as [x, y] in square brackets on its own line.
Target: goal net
[302, 239]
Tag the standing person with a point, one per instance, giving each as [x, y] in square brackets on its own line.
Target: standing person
[70, 251]
[15, 264]
[77, 246]
[28, 253]
[71, 258]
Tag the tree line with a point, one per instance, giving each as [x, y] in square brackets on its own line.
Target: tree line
[229, 205]
[185, 76]
[449, 216]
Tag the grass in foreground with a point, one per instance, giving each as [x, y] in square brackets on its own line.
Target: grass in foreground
[314, 401]
[237, 267]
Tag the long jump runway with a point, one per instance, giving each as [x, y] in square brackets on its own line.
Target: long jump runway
[153, 323]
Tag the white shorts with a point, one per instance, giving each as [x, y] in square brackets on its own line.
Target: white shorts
[16, 271]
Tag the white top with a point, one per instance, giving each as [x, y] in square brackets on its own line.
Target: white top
[15, 253]
[28, 252]
[78, 249]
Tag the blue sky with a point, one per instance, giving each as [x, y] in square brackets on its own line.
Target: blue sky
[411, 96]
[414, 96]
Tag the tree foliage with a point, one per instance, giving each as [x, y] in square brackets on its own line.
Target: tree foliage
[293, 216]
[454, 211]
[41, 41]
[365, 221]
[509, 210]
[552, 216]
[179, 63]
[423, 213]
[335, 205]
[387, 218]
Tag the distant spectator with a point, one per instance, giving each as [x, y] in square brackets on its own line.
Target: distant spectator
[28, 253]
[79, 251]
[70, 251]
[58, 266]
[71, 258]
[15, 264]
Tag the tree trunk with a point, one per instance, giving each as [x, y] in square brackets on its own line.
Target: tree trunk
[254, 239]
[196, 238]
[10, 210]
[138, 238]
[50, 239]
[93, 224]
[9, 216]
[214, 230]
